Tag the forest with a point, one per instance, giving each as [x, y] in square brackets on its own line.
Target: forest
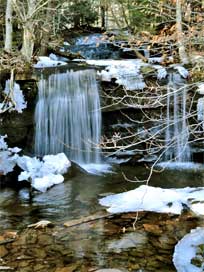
[101, 135]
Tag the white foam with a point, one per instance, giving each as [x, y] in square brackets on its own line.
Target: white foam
[96, 168]
[180, 165]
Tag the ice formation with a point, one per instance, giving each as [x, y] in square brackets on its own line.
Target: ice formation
[186, 250]
[46, 173]
[182, 71]
[161, 71]
[16, 96]
[200, 109]
[201, 88]
[42, 174]
[155, 199]
[8, 156]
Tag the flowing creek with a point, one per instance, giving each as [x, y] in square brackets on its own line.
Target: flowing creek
[103, 243]
[68, 119]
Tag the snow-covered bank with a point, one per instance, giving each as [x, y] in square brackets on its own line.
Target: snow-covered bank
[188, 248]
[155, 199]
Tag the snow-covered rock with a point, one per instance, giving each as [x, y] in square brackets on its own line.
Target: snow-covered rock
[48, 62]
[125, 72]
[46, 173]
[186, 250]
[155, 199]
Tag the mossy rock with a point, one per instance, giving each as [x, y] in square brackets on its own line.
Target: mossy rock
[146, 70]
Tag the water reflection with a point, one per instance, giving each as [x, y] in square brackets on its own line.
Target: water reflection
[79, 196]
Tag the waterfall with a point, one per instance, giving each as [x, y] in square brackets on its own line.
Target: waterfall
[68, 116]
[177, 133]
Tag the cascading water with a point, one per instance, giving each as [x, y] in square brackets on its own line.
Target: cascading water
[177, 132]
[68, 116]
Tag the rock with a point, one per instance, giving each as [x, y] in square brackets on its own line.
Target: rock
[109, 270]
[3, 251]
[154, 229]
[69, 268]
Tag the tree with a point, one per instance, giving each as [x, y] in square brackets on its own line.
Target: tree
[9, 26]
[28, 13]
[180, 37]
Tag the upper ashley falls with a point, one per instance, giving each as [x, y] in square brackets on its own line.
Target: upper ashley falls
[68, 116]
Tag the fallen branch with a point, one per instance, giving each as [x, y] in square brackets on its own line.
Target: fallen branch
[86, 219]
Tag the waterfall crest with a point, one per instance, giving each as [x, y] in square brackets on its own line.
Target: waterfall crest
[68, 116]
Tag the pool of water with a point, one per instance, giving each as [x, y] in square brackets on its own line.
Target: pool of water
[103, 243]
[78, 196]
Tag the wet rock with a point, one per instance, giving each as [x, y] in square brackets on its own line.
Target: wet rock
[44, 239]
[3, 251]
[69, 268]
[129, 240]
[153, 229]
[109, 270]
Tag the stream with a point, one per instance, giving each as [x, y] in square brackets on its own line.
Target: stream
[68, 118]
[106, 243]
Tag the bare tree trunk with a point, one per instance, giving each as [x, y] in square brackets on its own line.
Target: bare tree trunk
[50, 13]
[28, 41]
[28, 32]
[180, 37]
[9, 26]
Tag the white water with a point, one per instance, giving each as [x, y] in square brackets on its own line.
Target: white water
[68, 116]
[177, 132]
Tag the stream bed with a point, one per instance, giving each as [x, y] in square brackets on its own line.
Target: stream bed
[106, 242]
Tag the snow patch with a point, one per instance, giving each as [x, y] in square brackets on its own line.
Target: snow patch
[8, 156]
[186, 249]
[48, 62]
[155, 199]
[125, 72]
